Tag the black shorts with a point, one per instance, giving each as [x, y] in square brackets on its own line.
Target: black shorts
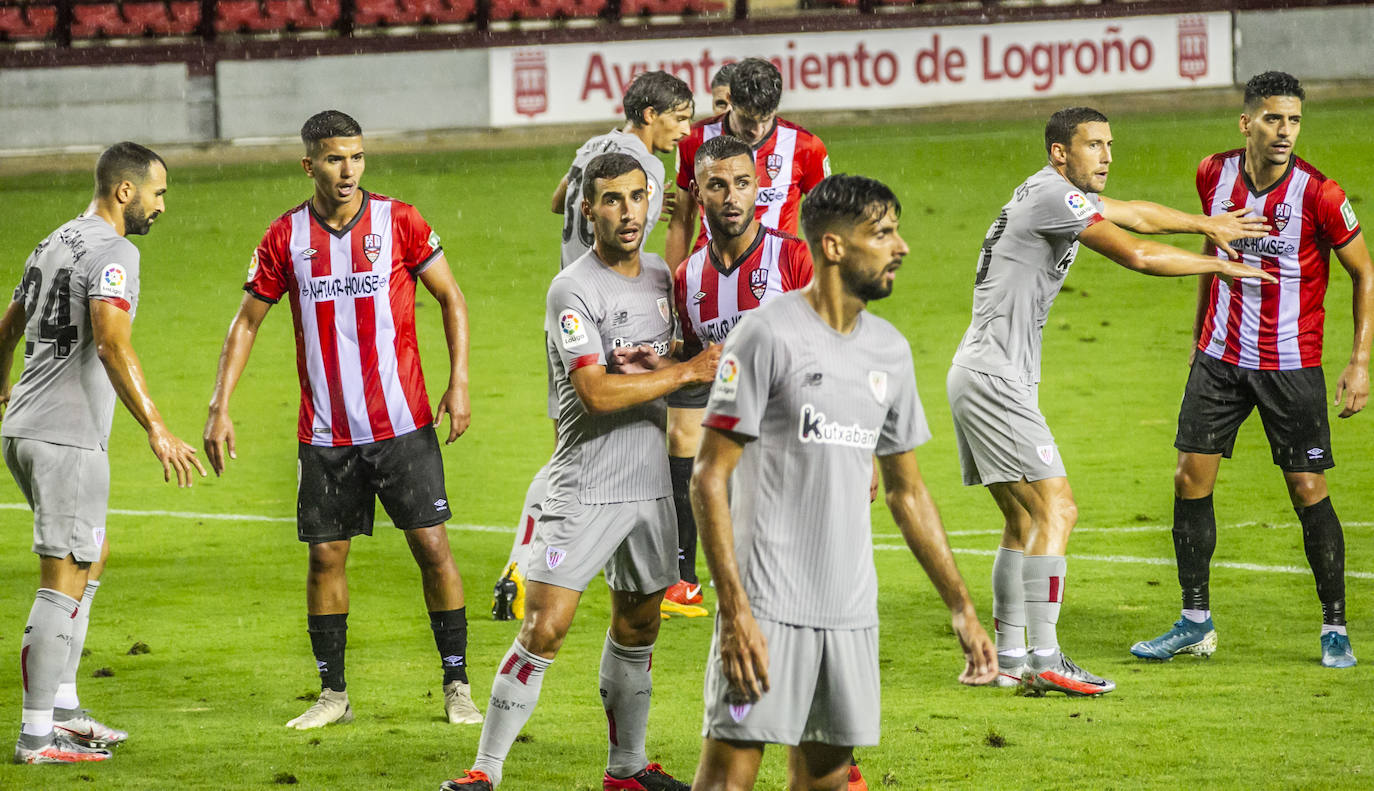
[1292, 407]
[335, 497]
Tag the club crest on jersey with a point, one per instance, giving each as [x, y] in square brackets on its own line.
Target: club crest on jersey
[1281, 214]
[98, 535]
[553, 556]
[664, 310]
[758, 282]
[877, 383]
[1045, 452]
[372, 247]
[112, 281]
[738, 711]
[773, 165]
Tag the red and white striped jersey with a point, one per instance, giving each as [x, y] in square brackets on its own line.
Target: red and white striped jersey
[352, 298]
[790, 162]
[710, 300]
[1264, 326]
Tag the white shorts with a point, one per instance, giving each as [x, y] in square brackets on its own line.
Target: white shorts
[823, 687]
[68, 489]
[1002, 436]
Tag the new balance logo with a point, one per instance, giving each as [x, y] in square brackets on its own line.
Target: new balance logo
[1315, 453]
[812, 380]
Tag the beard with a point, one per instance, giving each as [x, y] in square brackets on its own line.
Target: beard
[136, 221]
[867, 289]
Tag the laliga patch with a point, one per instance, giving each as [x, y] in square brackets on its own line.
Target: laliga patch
[664, 310]
[433, 240]
[653, 190]
[825, 166]
[877, 384]
[739, 711]
[573, 329]
[112, 281]
[1078, 204]
[553, 556]
[1046, 453]
[253, 265]
[372, 247]
[727, 379]
[1348, 214]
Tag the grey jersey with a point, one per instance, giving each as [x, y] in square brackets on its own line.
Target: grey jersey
[64, 395]
[818, 406]
[592, 309]
[1025, 258]
[577, 230]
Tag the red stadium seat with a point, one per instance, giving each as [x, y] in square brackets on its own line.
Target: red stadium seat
[450, 11]
[150, 17]
[545, 9]
[244, 16]
[370, 13]
[304, 14]
[27, 22]
[184, 18]
[669, 7]
[101, 20]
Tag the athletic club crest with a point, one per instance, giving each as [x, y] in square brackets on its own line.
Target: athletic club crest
[758, 282]
[773, 165]
[664, 310]
[1045, 452]
[877, 382]
[739, 711]
[553, 556]
[372, 247]
[1281, 214]
[1192, 47]
[531, 78]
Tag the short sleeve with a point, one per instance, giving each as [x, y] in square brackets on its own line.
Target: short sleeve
[797, 270]
[269, 270]
[572, 327]
[419, 243]
[744, 378]
[114, 277]
[1207, 182]
[691, 344]
[905, 426]
[1065, 211]
[1336, 222]
[817, 164]
[686, 150]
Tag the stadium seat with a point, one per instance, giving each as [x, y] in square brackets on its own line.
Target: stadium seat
[546, 9]
[435, 12]
[247, 16]
[102, 20]
[184, 18]
[27, 22]
[303, 14]
[669, 7]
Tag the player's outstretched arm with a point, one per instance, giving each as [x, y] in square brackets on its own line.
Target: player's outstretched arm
[743, 648]
[219, 429]
[914, 511]
[1220, 229]
[11, 330]
[455, 402]
[111, 327]
[1161, 260]
[602, 392]
[1352, 389]
[681, 225]
[560, 194]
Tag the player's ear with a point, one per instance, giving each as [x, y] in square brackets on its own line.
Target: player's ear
[832, 247]
[307, 166]
[124, 193]
[587, 209]
[1245, 124]
[647, 116]
[1058, 154]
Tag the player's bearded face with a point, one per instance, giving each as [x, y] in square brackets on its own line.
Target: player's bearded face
[873, 254]
[1272, 130]
[618, 211]
[726, 191]
[1088, 156]
[147, 204]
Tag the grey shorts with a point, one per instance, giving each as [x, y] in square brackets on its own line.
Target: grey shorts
[68, 489]
[635, 542]
[823, 687]
[1001, 434]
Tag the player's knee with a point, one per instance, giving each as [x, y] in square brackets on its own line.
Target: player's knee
[682, 440]
[540, 635]
[1307, 489]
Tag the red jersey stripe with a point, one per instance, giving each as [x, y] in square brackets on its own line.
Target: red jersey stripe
[365, 310]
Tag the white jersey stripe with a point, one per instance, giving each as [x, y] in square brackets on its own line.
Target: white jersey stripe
[1250, 300]
[314, 362]
[402, 421]
[1290, 283]
[346, 344]
[784, 146]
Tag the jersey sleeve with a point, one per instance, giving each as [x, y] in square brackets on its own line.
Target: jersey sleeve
[113, 278]
[744, 378]
[1207, 182]
[905, 426]
[797, 268]
[572, 327]
[691, 344]
[419, 242]
[269, 270]
[1336, 222]
[817, 164]
[686, 152]
[1064, 211]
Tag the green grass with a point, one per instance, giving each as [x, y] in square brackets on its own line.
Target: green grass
[220, 602]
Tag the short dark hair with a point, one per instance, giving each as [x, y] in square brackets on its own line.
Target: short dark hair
[657, 89]
[1061, 126]
[1272, 83]
[123, 162]
[723, 147]
[326, 124]
[607, 166]
[723, 75]
[756, 87]
[843, 198]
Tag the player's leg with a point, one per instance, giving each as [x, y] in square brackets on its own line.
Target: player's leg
[68, 716]
[684, 437]
[727, 765]
[813, 766]
[1008, 590]
[1324, 543]
[508, 595]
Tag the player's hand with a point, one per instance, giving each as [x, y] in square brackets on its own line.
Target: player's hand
[456, 405]
[1192, 355]
[1352, 389]
[174, 455]
[219, 435]
[703, 366]
[744, 656]
[873, 484]
[669, 204]
[1229, 271]
[635, 359]
[1221, 229]
[980, 655]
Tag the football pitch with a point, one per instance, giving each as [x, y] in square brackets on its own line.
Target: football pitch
[210, 581]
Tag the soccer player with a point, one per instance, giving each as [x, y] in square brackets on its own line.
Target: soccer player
[789, 161]
[658, 112]
[609, 503]
[744, 265]
[1261, 347]
[348, 261]
[813, 385]
[720, 89]
[993, 385]
[76, 305]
